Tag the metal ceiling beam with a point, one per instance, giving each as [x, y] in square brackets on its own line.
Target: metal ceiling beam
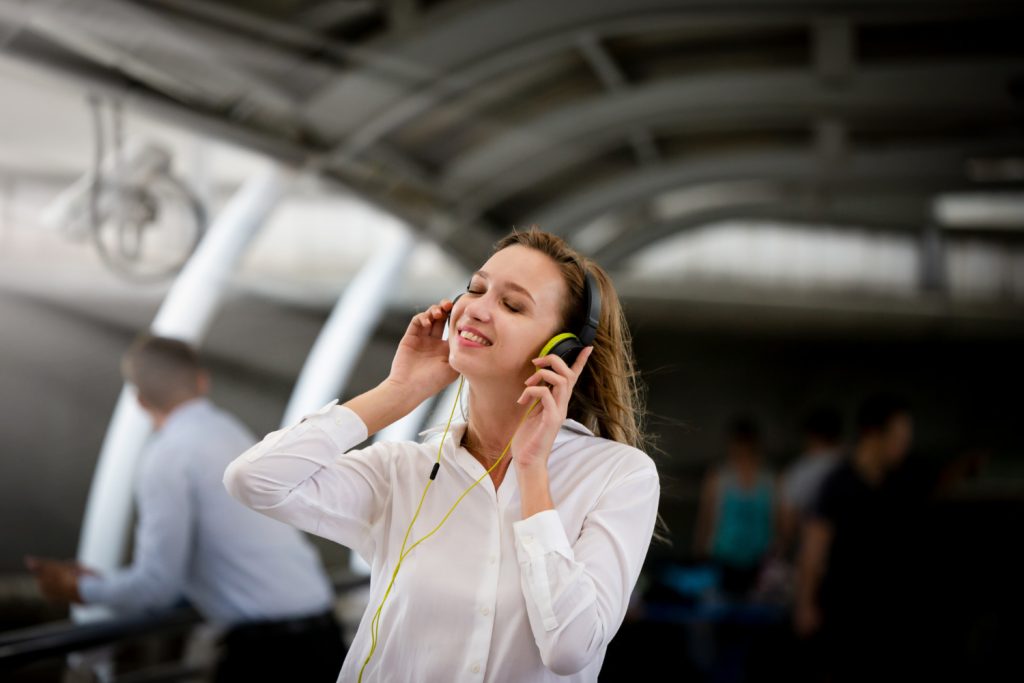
[614, 80]
[156, 50]
[568, 137]
[87, 78]
[834, 48]
[330, 13]
[244, 21]
[457, 51]
[904, 168]
[902, 215]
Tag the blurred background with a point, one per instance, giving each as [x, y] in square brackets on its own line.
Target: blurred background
[801, 204]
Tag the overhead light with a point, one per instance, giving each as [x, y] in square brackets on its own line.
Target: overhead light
[980, 210]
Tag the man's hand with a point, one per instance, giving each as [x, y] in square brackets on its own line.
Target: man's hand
[57, 581]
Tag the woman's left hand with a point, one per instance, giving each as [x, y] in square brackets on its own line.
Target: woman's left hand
[552, 385]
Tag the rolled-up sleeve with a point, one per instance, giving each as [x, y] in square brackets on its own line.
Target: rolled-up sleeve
[306, 476]
[577, 592]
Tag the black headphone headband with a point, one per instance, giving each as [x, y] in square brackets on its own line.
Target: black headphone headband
[592, 306]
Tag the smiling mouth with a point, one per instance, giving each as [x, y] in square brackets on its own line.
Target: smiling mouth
[474, 338]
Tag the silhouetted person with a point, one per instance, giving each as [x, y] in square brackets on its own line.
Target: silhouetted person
[801, 483]
[261, 580]
[736, 517]
[850, 570]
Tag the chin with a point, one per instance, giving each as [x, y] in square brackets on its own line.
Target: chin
[477, 369]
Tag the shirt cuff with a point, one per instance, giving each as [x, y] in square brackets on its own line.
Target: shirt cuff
[342, 426]
[91, 589]
[541, 534]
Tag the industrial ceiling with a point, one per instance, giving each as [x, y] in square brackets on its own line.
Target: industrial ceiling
[467, 118]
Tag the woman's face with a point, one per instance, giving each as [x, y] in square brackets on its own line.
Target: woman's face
[511, 309]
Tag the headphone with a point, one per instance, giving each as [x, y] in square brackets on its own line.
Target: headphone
[568, 345]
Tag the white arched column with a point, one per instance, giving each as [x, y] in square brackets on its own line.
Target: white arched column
[350, 325]
[186, 314]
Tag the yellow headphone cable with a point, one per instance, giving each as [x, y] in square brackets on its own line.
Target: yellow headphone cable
[403, 553]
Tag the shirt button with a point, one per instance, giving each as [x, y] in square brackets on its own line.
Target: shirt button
[492, 559]
[485, 611]
[475, 669]
[527, 537]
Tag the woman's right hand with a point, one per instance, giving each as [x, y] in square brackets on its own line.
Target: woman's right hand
[420, 366]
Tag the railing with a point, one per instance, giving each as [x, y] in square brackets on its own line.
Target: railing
[29, 645]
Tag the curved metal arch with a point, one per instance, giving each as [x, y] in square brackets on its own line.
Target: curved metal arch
[406, 75]
[902, 167]
[898, 218]
[570, 136]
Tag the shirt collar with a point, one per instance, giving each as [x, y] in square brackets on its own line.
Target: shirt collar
[185, 410]
[569, 429]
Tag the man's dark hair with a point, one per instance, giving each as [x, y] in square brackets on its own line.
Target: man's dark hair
[824, 423]
[743, 429]
[164, 371]
[877, 411]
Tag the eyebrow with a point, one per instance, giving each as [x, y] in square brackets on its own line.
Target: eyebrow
[510, 285]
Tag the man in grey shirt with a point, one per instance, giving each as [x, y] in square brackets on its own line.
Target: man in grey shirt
[822, 430]
[258, 578]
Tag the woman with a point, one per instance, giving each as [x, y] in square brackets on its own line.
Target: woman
[530, 576]
[737, 512]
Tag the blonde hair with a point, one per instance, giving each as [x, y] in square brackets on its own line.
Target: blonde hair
[608, 397]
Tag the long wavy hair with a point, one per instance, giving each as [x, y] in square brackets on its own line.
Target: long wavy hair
[608, 397]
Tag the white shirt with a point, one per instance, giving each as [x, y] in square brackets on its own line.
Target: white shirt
[490, 597]
[193, 540]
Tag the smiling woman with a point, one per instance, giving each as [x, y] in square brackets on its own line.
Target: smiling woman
[529, 579]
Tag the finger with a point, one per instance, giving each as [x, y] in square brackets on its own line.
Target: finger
[548, 401]
[541, 394]
[532, 392]
[549, 376]
[581, 360]
[438, 319]
[555, 363]
[440, 309]
[559, 385]
[429, 317]
[416, 325]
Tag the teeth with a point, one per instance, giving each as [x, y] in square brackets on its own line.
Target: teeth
[472, 337]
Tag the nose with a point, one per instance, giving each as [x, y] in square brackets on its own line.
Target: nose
[478, 307]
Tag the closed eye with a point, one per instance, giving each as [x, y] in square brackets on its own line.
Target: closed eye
[510, 305]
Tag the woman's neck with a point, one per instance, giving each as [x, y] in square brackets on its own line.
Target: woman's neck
[494, 417]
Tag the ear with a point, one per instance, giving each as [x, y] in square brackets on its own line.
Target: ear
[203, 382]
[143, 403]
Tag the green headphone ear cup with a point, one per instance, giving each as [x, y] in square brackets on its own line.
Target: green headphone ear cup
[555, 341]
[566, 346]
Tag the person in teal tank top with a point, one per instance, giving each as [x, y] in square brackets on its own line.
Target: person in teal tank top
[736, 520]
